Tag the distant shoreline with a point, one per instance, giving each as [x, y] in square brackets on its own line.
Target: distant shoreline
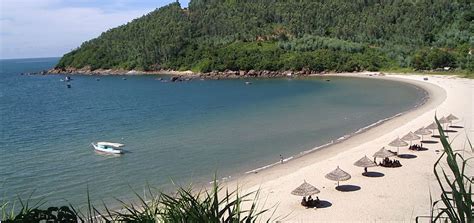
[215, 75]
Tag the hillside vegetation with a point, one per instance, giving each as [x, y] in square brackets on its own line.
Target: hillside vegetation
[318, 35]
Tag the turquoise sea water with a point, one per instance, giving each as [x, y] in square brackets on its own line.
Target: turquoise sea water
[182, 131]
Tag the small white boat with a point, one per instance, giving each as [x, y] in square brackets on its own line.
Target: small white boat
[108, 147]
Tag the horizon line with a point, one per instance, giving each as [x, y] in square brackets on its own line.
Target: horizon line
[19, 58]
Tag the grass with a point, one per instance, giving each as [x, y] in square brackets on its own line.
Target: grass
[185, 205]
[33, 213]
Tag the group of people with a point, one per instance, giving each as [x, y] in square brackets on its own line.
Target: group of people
[310, 202]
[416, 147]
[390, 163]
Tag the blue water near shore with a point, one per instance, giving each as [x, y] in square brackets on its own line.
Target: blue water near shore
[182, 131]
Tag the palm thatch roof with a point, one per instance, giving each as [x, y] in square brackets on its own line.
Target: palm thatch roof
[383, 153]
[423, 131]
[451, 117]
[338, 175]
[432, 126]
[365, 162]
[305, 189]
[443, 120]
[410, 137]
[397, 143]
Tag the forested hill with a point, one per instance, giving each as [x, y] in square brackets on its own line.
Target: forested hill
[318, 35]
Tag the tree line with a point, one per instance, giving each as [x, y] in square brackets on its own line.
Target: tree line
[322, 35]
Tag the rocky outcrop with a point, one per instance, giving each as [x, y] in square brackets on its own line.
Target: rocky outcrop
[43, 72]
[227, 74]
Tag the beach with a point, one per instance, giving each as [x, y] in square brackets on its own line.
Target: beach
[401, 194]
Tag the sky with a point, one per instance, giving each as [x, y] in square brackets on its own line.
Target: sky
[51, 28]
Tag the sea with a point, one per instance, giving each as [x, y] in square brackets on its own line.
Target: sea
[176, 133]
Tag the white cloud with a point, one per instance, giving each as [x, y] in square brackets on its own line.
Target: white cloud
[39, 28]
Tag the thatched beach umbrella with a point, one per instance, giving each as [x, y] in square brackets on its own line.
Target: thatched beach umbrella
[443, 120]
[338, 175]
[365, 162]
[398, 143]
[433, 126]
[451, 118]
[410, 137]
[422, 132]
[383, 153]
[305, 189]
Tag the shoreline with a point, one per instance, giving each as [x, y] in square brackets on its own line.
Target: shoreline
[188, 74]
[359, 131]
[290, 174]
[327, 146]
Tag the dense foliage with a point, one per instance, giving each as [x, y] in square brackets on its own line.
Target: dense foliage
[336, 35]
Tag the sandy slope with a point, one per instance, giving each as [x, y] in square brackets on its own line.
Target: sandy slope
[401, 194]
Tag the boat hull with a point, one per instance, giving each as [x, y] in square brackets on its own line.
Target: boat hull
[108, 150]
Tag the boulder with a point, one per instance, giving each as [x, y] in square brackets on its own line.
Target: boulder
[174, 79]
[252, 73]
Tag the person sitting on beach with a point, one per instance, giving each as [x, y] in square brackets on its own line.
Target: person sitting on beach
[398, 164]
[304, 202]
[419, 147]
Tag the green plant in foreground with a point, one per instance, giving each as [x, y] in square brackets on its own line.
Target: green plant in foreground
[456, 186]
[33, 213]
[209, 205]
[185, 205]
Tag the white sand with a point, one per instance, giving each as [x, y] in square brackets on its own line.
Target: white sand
[401, 194]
